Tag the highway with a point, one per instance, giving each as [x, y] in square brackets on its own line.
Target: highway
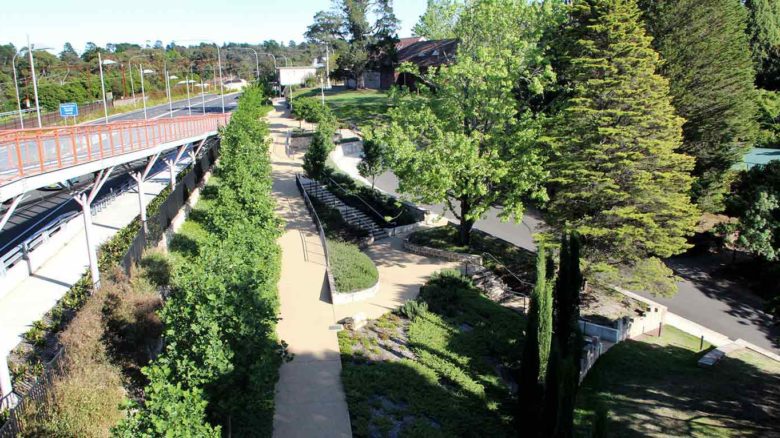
[40, 207]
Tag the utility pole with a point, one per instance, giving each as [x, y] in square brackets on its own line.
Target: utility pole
[327, 65]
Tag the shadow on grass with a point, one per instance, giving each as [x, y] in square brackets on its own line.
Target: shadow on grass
[659, 389]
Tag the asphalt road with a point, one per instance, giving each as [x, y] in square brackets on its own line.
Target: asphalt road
[718, 304]
[41, 207]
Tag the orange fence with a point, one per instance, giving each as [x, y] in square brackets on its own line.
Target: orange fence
[25, 152]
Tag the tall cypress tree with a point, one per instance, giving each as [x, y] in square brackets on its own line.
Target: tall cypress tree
[565, 358]
[618, 180]
[708, 63]
[536, 351]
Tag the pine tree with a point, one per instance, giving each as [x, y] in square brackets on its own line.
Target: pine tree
[617, 178]
[708, 64]
[536, 351]
[764, 32]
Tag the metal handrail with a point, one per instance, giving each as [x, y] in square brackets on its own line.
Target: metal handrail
[526, 282]
[376, 213]
[320, 229]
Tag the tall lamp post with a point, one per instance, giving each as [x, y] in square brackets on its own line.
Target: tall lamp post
[101, 62]
[257, 60]
[168, 78]
[143, 92]
[29, 50]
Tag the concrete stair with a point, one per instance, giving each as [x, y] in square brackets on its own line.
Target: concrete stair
[351, 215]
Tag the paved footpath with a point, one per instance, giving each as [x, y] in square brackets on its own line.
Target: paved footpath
[310, 400]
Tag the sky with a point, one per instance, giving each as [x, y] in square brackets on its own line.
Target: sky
[51, 23]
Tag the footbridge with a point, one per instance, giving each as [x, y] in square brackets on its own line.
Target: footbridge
[34, 158]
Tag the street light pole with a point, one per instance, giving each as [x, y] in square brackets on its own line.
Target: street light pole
[35, 82]
[103, 87]
[143, 92]
[221, 82]
[327, 65]
[16, 86]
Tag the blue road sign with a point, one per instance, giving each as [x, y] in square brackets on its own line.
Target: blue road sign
[69, 110]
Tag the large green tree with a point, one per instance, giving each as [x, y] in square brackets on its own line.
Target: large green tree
[618, 178]
[439, 20]
[707, 61]
[467, 141]
[764, 33]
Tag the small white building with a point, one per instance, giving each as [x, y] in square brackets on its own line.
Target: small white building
[295, 75]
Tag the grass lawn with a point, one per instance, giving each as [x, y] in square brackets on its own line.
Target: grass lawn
[438, 375]
[352, 106]
[653, 387]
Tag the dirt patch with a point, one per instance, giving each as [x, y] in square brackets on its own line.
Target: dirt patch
[604, 307]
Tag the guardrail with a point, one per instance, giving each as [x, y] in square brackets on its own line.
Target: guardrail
[26, 152]
[320, 229]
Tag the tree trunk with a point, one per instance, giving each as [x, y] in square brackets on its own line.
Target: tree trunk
[465, 224]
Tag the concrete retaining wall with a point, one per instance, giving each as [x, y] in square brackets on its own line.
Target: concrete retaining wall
[36, 258]
[442, 254]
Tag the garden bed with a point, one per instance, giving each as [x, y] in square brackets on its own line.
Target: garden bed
[519, 261]
[448, 371]
[352, 270]
[394, 213]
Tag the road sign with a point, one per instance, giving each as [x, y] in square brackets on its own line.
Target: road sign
[69, 110]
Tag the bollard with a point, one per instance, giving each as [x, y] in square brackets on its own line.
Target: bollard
[701, 343]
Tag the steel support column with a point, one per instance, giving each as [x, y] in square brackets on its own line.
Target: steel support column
[10, 211]
[86, 203]
[172, 165]
[139, 178]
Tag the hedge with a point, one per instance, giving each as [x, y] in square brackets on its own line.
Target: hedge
[221, 357]
[352, 270]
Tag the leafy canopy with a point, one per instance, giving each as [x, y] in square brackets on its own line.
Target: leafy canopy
[466, 140]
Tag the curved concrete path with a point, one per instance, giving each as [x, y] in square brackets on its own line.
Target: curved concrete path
[310, 400]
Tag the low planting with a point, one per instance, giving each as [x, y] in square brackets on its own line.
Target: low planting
[41, 344]
[352, 270]
[105, 344]
[442, 368]
[653, 386]
[220, 362]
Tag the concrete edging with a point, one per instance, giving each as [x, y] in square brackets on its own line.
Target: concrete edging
[352, 297]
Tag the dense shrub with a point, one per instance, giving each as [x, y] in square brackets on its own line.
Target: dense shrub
[445, 291]
[311, 110]
[352, 270]
[321, 145]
